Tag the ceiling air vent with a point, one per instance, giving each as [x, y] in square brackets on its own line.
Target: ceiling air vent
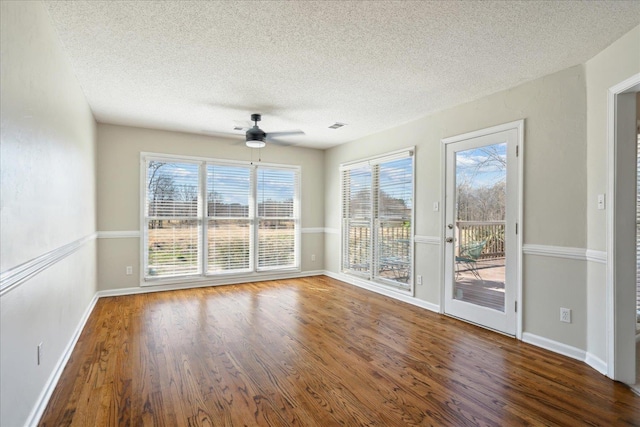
[337, 125]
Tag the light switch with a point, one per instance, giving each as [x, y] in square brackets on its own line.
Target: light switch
[600, 201]
[436, 206]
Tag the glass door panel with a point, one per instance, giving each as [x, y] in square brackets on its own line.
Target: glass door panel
[480, 213]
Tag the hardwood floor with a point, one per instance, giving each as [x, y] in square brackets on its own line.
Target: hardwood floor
[315, 352]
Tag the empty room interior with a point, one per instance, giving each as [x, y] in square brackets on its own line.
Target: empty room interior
[320, 213]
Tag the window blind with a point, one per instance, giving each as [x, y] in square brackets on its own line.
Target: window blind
[229, 237]
[277, 217]
[171, 217]
[205, 217]
[394, 225]
[356, 217]
[377, 218]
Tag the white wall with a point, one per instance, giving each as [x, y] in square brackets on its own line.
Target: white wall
[47, 199]
[555, 174]
[119, 149]
[613, 65]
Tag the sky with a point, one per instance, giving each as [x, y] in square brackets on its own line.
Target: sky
[396, 179]
[233, 183]
[482, 167]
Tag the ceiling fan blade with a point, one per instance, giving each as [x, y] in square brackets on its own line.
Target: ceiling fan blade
[284, 133]
[227, 135]
[280, 143]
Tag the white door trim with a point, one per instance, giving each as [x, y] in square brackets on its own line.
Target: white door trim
[519, 126]
[614, 316]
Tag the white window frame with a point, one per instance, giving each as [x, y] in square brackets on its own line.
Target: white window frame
[371, 278]
[203, 218]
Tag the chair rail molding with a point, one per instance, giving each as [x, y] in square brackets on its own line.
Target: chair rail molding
[429, 240]
[310, 230]
[19, 274]
[555, 251]
[596, 256]
[118, 234]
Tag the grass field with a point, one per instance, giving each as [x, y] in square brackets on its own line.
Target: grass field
[174, 248]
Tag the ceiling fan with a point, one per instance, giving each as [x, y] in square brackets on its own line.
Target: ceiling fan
[257, 138]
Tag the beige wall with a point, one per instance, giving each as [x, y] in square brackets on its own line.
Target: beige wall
[47, 164]
[555, 174]
[616, 63]
[119, 149]
[613, 65]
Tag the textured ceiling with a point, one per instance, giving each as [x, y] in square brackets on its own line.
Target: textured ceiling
[203, 66]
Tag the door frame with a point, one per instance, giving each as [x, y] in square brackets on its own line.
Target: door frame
[518, 125]
[620, 332]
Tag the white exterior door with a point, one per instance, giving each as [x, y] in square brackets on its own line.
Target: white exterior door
[482, 245]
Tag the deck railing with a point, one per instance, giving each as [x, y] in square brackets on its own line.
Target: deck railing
[394, 241]
[469, 232]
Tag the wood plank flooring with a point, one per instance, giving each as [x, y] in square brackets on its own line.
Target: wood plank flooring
[315, 352]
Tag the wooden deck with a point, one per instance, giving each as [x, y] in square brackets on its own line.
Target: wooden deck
[315, 352]
[488, 291]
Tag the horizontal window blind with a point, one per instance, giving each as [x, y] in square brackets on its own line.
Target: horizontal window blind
[172, 189]
[276, 243]
[276, 192]
[356, 217]
[206, 217]
[377, 218]
[277, 215]
[171, 208]
[395, 200]
[229, 211]
[229, 245]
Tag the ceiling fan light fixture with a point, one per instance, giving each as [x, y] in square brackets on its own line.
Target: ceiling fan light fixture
[255, 144]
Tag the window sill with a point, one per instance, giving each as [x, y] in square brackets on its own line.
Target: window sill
[221, 279]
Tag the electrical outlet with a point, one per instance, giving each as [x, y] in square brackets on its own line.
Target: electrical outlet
[419, 279]
[129, 270]
[565, 315]
[313, 257]
[39, 354]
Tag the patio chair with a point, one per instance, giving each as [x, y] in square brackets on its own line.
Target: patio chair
[468, 258]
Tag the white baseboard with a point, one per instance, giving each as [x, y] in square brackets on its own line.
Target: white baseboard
[596, 363]
[555, 346]
[573, 352]
[50, 385]
[380, 290]
[204, 284]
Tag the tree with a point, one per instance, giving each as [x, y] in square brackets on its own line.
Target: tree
[160, 188]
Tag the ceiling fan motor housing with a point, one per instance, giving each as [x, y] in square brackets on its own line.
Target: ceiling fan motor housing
[256, 134]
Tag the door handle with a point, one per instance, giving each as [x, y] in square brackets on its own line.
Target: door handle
[450, 226]
[449, 239]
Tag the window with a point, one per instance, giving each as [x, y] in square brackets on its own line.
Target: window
[377, 219]
[206, 217]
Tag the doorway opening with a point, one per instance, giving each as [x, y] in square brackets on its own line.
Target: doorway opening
[622, 242]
